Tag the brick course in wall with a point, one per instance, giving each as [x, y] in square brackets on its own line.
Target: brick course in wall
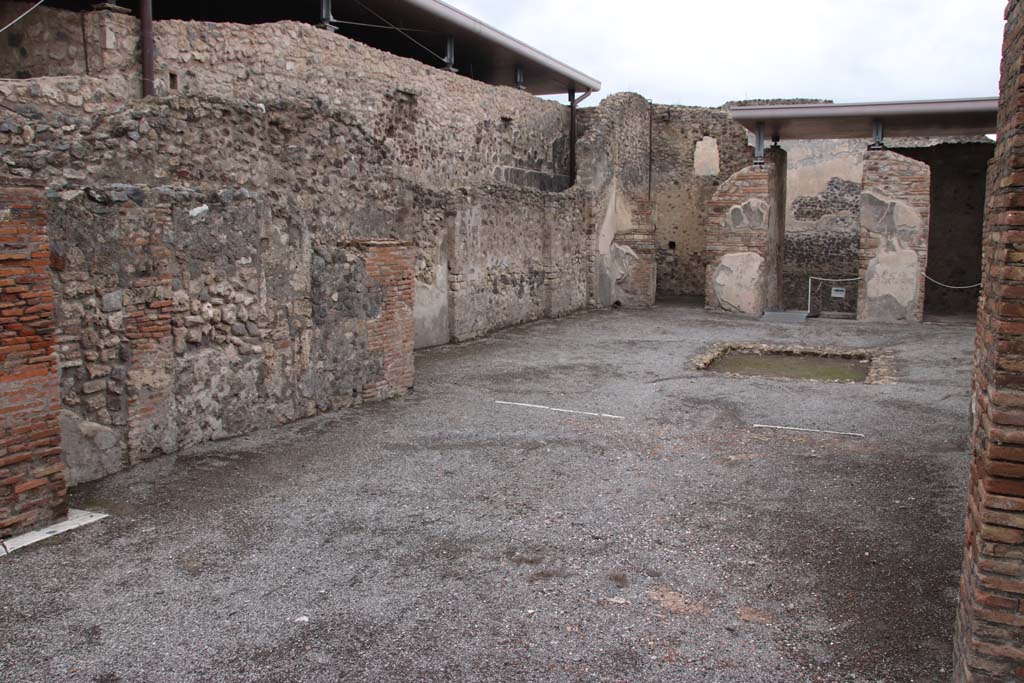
[33, 490]
[990, 631]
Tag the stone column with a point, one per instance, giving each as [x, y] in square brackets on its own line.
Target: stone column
[744, 239]
[990, 627]
[894, 211]
[33, 490]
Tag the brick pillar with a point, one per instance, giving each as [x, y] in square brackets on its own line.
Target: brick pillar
[33, 491]
[391, 335]
[894, 213]
[736, 239]
[990, 627]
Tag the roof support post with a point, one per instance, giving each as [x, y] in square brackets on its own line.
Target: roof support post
[572, 136]
[449, 55]
[148, 47]
[759, 145]
[877, 134]
[520, 79]
[327, 17]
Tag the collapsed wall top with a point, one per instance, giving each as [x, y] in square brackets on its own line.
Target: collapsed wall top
[430, 31]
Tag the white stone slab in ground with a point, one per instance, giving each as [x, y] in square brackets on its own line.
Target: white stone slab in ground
[74, 520]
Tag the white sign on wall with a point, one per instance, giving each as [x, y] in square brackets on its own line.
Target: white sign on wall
[839, 292]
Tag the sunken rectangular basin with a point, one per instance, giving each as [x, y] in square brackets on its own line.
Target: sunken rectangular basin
[799, 363]
[792, 366]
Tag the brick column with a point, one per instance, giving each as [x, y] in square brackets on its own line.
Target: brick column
[737, 243]
[33, 491]
[990, 628]
[392, 334]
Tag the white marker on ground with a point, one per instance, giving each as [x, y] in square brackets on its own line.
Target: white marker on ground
[75, 519]
[560, 410]
[817, 431]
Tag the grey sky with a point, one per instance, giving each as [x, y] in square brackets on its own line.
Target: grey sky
[709, 52]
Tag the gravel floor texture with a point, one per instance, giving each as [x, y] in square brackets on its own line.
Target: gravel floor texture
[448, 537]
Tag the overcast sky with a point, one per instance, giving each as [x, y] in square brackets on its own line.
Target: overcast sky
[708, 52]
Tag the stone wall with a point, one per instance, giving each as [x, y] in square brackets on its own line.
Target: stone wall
[33, 490]
[55, 42]
[208, 267]
[823, 239]
[990, 627]
[516, 256]
[894, 214]
[695, 150]
[615, 168]
[191, 317]
[440, 129]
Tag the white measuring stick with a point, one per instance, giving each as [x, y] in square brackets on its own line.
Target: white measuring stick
[802, 429]
[560, 410]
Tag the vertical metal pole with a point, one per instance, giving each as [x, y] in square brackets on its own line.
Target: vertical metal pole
[327, 16]
[449, 55]
[759, 144]
[572, 136]
[877, 134]
[520, 79]
[146, 16]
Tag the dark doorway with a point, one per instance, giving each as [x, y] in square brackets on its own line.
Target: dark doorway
[955, 227]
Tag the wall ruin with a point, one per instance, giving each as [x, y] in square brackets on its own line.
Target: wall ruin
[615, 167]
[214, 254]
[192, 317]
[694, 150]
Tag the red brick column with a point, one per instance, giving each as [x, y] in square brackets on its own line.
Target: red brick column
[33, 491]
[392, 334]
[990, 629]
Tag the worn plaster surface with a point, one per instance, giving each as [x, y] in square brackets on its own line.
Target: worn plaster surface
[444, 537]
[738, 282]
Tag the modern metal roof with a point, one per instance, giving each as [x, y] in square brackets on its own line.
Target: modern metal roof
[926, 118]
[481, 51]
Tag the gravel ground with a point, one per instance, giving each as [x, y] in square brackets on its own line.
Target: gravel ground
[446, 537]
